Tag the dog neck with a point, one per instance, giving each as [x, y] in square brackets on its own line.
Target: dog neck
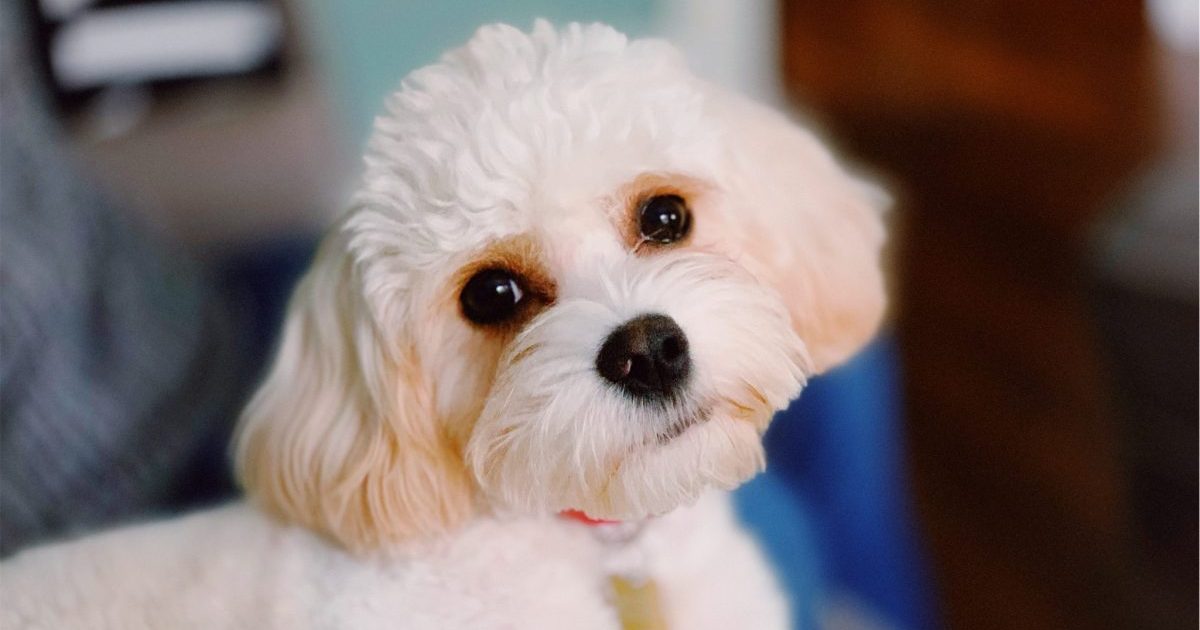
[631, 589]
[624, 551]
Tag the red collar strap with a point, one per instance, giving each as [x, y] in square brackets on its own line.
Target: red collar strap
[579, 517]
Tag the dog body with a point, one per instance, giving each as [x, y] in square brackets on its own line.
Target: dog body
[575, 277]
[235, 568]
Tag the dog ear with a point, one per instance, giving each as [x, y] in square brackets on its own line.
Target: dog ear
[807, 227]
[341, 436]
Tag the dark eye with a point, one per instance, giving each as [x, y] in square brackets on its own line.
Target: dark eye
[665, 219]
[491, 296]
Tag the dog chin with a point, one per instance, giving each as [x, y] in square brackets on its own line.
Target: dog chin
[706, 452]
[681, 454]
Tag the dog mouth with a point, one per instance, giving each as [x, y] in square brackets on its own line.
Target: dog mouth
[681, 424]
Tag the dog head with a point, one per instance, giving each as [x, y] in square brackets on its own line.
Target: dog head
[574, 277]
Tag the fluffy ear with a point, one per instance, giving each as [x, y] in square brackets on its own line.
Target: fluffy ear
[341, 436]
[808, 227]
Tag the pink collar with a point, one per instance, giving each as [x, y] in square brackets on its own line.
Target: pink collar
[579, 517]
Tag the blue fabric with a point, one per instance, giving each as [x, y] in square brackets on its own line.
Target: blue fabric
[781, 521]
[832, 509]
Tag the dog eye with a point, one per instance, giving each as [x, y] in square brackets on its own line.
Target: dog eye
[491, 296]
[665, 219]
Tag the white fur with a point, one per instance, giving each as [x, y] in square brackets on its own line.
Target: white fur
[404, 466]
[234, 568]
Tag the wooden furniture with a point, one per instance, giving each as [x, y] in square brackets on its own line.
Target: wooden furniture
[1004, 128]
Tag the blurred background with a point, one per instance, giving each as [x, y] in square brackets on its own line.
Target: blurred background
[1018, 450]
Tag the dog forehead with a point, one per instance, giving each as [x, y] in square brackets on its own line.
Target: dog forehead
[516, 133]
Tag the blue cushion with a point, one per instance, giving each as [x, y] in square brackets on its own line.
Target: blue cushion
[833, 509]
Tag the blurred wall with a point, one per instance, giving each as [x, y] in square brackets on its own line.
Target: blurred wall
[367, 46]
[223, 164]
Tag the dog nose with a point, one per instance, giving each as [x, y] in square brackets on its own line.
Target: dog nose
[647, 356]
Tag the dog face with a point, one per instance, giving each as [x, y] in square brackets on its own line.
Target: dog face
[574, 277]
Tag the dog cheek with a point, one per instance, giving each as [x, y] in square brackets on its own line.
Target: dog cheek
[749, 361]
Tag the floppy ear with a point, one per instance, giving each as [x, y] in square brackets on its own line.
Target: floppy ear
[341, 436]
[808, 228]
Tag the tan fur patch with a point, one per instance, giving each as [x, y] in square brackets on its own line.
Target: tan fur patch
[524, 257]
[628, 201]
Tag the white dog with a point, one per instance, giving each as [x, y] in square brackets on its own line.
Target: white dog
[575, 280]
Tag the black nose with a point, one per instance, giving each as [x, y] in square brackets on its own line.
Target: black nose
[647, 356]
